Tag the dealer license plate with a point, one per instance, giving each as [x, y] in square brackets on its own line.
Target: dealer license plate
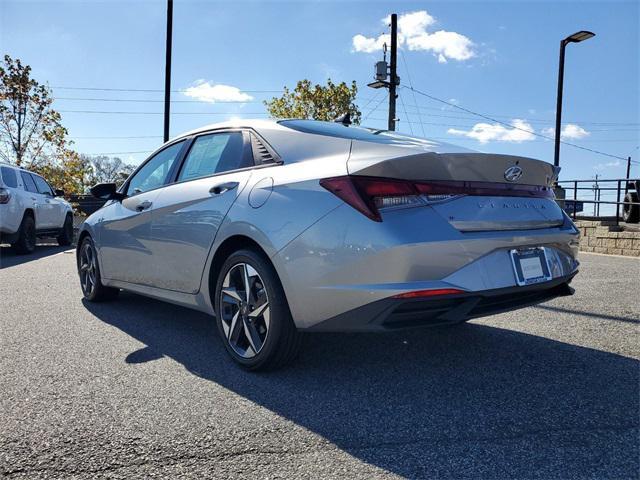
[530, 265]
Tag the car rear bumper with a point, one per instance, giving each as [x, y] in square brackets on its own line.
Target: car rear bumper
[346, 262]
[395, 314]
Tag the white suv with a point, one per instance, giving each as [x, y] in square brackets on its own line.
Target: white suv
[29, 209]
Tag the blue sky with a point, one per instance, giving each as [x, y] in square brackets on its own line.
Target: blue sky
[497, 58]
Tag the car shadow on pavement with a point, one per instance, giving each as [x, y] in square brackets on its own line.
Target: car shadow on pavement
[468, 401]
[9, 258]
[598, 315]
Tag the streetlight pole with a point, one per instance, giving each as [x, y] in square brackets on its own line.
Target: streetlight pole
[575, 38]
[167, 71]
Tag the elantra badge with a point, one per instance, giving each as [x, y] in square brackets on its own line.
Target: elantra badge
[512, 174]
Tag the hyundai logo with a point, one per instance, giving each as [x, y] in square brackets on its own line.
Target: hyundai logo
[512, 174]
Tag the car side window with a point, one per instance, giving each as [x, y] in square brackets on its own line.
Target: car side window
[155, 172]
[9, 177]
[42, 186]
[29, 184]
[214, 153]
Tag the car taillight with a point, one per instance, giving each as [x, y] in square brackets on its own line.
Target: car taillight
[429, 293]
[5, 195]
[369, 194]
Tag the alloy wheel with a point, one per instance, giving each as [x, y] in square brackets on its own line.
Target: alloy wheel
[244, 310]
[87, 269]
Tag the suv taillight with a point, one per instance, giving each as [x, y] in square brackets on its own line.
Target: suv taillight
[5, 195]
[369, 194]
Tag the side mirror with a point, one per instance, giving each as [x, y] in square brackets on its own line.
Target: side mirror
[58, 193]
[106, 191]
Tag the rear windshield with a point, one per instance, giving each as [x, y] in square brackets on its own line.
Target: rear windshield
[352, 132]
[9, 177]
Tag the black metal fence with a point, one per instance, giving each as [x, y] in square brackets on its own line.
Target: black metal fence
[600, 198]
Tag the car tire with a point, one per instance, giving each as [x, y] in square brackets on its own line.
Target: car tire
[89, 273]
[631, 213]
[263, 335]
[26, 242]
[66, 233]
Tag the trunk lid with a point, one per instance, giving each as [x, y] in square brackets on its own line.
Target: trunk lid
[466, 213]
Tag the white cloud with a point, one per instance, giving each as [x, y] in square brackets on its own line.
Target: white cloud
[413, 23]
[569, 131]
[212, 93]
[448, 45]
[368, 45]
[604, 166]
[412, 33]
[486, 132]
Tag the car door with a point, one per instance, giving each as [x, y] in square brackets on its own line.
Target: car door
[54, 208]
[125, 226]
[42, 213]
[187, 214]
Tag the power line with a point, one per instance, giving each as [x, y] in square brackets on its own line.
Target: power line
[117, 153]
[144, 137]
[512, 126]
[415, 106]
[550, 122]
[419, 114]
[415, 101]
[405, 112]
[161, 113]
[149, 90]
[374, 108]
[138, 100]
[116, 137]
[371, 99]
[456, 117]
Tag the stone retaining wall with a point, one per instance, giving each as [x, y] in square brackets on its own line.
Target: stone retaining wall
[597, 238]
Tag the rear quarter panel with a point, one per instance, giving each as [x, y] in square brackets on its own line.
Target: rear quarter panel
[289, 201]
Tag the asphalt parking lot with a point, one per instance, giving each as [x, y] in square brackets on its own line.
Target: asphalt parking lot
[137, 388]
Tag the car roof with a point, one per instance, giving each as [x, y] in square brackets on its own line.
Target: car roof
[256, 123]
[264, 125]
[6, 164]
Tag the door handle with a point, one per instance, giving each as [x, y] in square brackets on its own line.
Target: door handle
[223, 187]
[143, 206]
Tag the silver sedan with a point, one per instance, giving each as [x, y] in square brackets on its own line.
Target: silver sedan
[283, 227]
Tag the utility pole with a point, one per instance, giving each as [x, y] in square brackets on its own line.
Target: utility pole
[626, 184]
[392, 70]
[167, 72]
[384, 71]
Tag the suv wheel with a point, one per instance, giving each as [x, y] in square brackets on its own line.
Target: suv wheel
[26, 235]
[89, 272]
[252, 313]
[66, 234]
[631, 213]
